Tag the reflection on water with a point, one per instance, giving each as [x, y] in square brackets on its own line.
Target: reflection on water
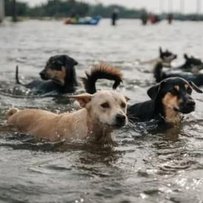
[146, 166]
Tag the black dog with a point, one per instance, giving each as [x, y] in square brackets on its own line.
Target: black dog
[166, 57]
[60, 76]
[169, 99]
[191, 64]
[160, 75]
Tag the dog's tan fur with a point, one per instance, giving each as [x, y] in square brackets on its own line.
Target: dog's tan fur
[92, 121]
[57, 75]
[170, 102]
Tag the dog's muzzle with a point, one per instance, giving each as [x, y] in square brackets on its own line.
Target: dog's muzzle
[120, 120]
[187, 106]
[43, 75]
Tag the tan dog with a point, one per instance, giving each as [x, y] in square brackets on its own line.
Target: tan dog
[102, 112]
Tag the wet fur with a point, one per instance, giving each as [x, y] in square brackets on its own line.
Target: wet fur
[164, 105]
[166, 57]
[192, 64]
[160, 75]
[66, 77]
[92, 121]
[101, 71]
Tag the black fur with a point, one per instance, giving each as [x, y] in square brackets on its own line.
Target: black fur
[160, 75]
[154, 109]
[101, 71]
[166, 57]
[47, 85]
[191, 64]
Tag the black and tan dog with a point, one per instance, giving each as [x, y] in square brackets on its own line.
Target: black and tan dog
[58, 76]
[192, 64]
[168, 100]
[160, 75]
[166, 57]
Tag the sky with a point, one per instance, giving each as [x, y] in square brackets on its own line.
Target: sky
[186, 6]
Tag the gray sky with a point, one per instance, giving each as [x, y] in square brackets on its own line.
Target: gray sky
[190, 6]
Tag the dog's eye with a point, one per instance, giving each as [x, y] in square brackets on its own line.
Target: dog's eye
[105, 105]
[123, 105]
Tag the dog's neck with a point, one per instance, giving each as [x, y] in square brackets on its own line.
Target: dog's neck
[86, 126]
[166, 114]
[97, 132]
[172, 116]
[70, 79]
[70, 82]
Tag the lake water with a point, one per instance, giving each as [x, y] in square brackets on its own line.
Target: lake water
[144, 167]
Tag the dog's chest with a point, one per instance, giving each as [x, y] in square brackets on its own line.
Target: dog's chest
[172, 116]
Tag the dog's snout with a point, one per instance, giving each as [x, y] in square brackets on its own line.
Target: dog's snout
[187, 106]
[190, 103]
[120, 119]
[43, 75]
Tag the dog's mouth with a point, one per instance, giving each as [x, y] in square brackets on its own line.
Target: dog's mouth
[115, 125]
[185, 109]
[118, 125]
[55, 80]
[44, 76]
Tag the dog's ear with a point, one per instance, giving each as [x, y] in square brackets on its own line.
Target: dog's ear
[185, 56]
[160, 50]
[127, 98]
[69, 61]
[83, 99]
[194, 87]
[153, 91]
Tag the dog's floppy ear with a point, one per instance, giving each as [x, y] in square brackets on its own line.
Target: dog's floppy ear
[153, 91]
[127, 98]
[69, 61]
[83, 99]
[194, 87]
[186, 56]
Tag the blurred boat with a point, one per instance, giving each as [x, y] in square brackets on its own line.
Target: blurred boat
[83, 21]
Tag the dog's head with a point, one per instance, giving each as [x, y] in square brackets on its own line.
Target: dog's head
[57, 68]
[106, 108]
[174, 95]
[193, 63]
[166, 56]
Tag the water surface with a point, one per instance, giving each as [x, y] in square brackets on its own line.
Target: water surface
[144, 167]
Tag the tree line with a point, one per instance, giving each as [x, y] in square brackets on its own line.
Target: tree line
[65, 8]
[59, 8]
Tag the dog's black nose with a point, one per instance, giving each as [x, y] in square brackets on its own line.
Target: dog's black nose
[120, 119]
[190, 103]
[188, 106]
[43, 75]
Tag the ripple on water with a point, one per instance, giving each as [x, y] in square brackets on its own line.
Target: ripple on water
[146, 166]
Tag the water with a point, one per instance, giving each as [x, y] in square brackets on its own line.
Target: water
[144, 167]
